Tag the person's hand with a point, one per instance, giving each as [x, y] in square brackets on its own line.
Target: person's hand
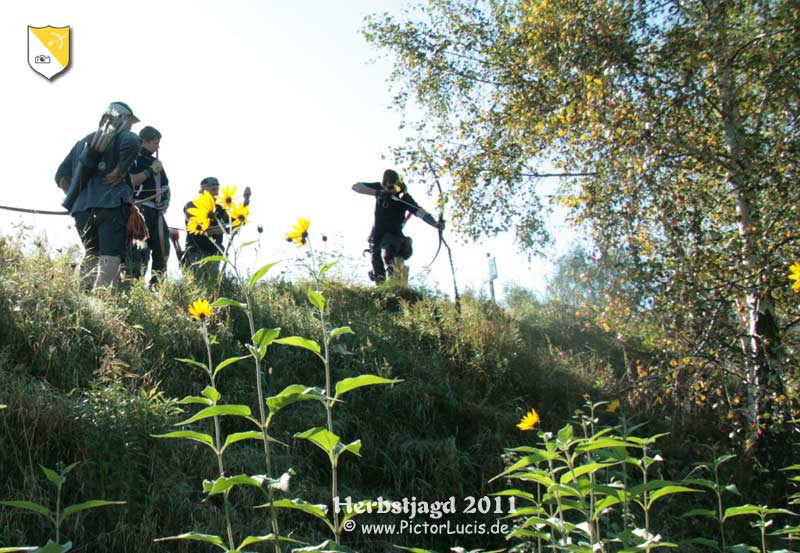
[440, 224]
[156, 167]
[114, 177]
[385, 194]
[64, 182]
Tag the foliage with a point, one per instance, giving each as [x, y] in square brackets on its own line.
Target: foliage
[677, 122]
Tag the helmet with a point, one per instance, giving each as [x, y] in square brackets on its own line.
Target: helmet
[121, 108]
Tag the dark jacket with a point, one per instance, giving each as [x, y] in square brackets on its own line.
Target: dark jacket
[95, 193]
[148, 187]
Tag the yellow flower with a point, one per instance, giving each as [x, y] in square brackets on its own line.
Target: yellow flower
[530, 420]
[299, 232]
[197, 225]
[225, 198]
[204, 206]
[613, 406]
[200, 310]
[239, 214]
[794, 275]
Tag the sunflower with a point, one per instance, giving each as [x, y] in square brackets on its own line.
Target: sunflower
[239, 214]
[613, 406]
[225, 198]
[794, 274]
[530, 420]
[204, 206]
[197, 225]
[200, 310]
[299, 232]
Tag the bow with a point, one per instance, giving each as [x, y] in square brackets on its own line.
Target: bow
[442, 241]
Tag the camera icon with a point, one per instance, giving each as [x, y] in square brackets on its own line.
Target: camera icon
[41, 59]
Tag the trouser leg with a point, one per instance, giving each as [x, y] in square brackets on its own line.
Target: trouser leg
[378, 273]
[158, 242]
[111, 226]
[87, 232]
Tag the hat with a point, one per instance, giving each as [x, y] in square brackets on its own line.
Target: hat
[125, 109]
[209, 181]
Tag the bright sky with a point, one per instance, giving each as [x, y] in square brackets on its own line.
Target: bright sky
[279, 96]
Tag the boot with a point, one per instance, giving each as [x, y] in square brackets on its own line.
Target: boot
[108, 271]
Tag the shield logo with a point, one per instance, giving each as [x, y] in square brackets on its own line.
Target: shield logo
[48, 50]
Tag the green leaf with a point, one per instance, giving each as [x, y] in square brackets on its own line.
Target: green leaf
[91, 504]
[265, 336]
[212, 394]
[213, 258]
[340, 330]
[229, 361]
[28, 506]
[292, 394]
[741, 510]
[316, 299]
[602, 443]
[227, 302]
[57, 479]
[327, 267]
[300, 342]
[348, 384]
[352, 447]
[565, 434]
[250, 540]
[319, 511]
[195, 399]
[224, 483]
[196, 536]
[669, 490]
[190, 435]
[239, 436]
[415, 549]
[322, 438]
[193, 362]
[14, 549]
[260, 273]
[218, 410]
[579, 471]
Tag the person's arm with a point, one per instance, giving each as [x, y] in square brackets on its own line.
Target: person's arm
[129, 148]
[64, 171]
[368, 188]
[422, 214]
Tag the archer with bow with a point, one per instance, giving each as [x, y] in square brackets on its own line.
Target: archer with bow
[387, 241]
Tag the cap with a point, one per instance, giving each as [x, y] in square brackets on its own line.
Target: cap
[125, 109]
[209, 181]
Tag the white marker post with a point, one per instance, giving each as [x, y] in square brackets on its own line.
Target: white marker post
[492, 274]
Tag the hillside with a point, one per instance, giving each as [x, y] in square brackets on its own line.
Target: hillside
[92, 379]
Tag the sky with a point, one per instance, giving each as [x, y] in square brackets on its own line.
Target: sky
[285, 97]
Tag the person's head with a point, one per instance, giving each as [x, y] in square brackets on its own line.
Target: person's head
[391, 180]
[125, 110]
[211, 184]
[151, 138]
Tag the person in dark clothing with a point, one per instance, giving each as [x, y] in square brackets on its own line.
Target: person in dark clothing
[387, 241]
[210, 242]
[152, 194]
[95, 178]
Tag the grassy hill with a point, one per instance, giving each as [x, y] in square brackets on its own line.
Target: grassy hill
[91, 378]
